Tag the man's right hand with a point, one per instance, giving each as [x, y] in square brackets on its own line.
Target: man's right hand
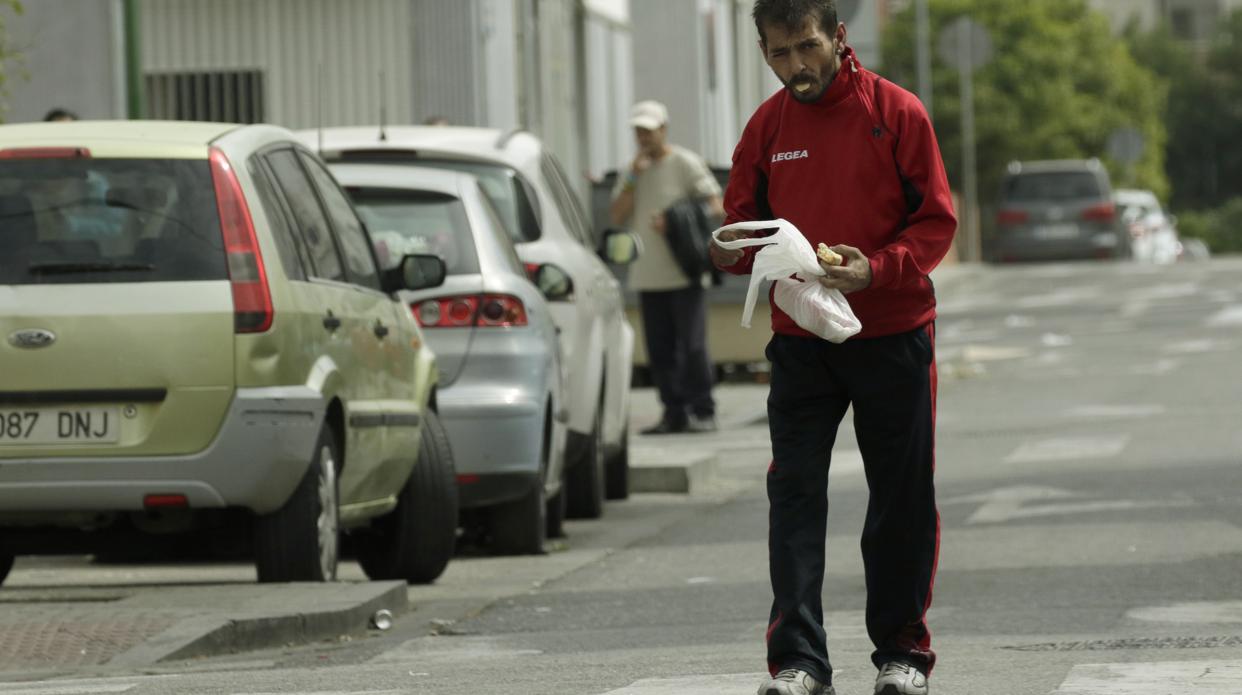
[723, 258]
[641, 163]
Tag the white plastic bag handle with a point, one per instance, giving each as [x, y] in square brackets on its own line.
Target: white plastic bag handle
[789, 253]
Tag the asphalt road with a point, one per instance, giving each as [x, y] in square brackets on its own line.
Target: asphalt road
[1090, 484]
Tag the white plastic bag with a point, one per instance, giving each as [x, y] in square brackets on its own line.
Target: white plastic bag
[812, 306]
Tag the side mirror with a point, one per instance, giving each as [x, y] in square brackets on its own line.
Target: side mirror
[415, 272]
[620, 247]
[554, 283]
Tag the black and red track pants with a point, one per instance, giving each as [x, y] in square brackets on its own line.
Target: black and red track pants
[891, 383]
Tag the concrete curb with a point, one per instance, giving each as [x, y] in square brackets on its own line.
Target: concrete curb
[347, 609]
[674, 470]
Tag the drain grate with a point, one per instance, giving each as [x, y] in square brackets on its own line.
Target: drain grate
[1192, 642]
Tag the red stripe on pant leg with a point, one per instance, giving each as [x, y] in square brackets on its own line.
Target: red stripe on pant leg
[925, 642]
[773, 669]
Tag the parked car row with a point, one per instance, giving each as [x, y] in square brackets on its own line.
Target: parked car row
[1068, 209]
[206, 327]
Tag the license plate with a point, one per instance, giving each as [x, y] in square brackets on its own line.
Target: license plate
[60, 425]
[1056, 231]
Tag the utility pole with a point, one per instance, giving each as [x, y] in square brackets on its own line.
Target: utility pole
[967, 44]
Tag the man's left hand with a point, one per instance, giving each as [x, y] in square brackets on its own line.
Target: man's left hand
[658, 225]
[851, 276]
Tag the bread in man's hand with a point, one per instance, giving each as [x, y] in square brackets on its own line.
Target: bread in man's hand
[828, 256]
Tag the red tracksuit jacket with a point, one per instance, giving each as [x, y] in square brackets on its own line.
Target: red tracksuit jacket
[859, 167]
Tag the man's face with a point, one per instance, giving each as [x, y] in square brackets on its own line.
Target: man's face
[651, 142]
[805, 59]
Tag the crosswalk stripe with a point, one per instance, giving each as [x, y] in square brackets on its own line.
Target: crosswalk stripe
[1229, 316]
[732, 684]
[335, 692]
[1069, 449]
[1165, 678]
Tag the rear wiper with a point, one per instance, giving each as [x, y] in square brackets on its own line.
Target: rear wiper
[95, 267]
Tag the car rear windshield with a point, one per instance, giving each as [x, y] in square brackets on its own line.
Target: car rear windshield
[1059, 185]
[402, 222]
[506, 190]
[108, 220]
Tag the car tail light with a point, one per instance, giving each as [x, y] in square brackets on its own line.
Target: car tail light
[154, 501]
[486, 310]
[531, 269]
[252, 300]
[46, 153]
[1010, 217]
[1104, 212]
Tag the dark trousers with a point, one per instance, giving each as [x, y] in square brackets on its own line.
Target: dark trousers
[675, 326]
[891, 382]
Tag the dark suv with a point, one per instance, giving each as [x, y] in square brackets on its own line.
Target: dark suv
[1057, 210]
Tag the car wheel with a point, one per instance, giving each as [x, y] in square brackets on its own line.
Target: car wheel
[519, 527]
[6, 564]
[556, 512]
[586, 476]
[299, 542]
[617, 484]
[416, 540]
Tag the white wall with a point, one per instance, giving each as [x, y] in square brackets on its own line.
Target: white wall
[291, 41]
[71, 57]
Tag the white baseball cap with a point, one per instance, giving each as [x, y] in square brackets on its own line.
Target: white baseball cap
[648, 115]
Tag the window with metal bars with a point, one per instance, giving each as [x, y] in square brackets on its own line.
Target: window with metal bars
[235, 96]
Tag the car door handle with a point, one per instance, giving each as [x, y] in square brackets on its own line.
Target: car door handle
[380, 330]
[331, 322]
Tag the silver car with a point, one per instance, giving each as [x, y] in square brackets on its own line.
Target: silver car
[501, 384]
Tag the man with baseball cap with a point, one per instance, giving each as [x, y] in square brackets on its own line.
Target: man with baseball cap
[673, 306]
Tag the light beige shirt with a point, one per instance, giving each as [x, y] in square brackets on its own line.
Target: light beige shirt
[679, 174]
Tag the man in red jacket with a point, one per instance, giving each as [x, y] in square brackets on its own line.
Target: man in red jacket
[852, 161]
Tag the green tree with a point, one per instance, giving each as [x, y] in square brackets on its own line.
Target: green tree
[1058, 84]
[7, 52]
[1204, 108]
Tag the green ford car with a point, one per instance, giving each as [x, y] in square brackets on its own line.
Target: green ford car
[195, 338]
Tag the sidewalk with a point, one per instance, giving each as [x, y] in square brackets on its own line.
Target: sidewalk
[99, 627]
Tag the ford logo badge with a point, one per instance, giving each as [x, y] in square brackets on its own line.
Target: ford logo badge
[32, 338]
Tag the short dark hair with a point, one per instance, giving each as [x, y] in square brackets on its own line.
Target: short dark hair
[792, 14]
[59, 113]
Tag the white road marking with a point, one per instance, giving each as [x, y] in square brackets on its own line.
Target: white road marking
[1165, 678]
[1191, 347]
[1063, 297]
[430, 650]
[1179, 290]
[67, 689]
[694, 685]
[1008, 503]
[1158, 368]
[1069, 449]
[722, 684]
[1116, 411]
[404, 691]
[1192, 613]
[1229, 316]
[845, 462]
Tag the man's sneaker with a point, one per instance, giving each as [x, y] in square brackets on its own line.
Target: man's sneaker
[897, 678]
[791, 681]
